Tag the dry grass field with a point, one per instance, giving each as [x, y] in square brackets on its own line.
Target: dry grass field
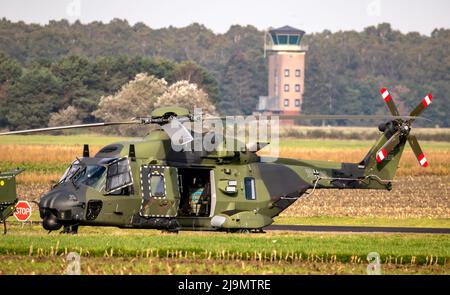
[16, 264]
[412, 197]
[439, 159]
[43, 163]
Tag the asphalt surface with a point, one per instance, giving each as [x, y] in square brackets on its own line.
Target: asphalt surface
[332, 228]
[357, 229]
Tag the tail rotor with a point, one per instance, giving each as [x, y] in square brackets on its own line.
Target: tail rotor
[400, 130]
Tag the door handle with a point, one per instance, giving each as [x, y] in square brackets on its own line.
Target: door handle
[117, 212]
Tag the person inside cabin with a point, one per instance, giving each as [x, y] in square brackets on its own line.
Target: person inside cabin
[197, 189]
[204, 201]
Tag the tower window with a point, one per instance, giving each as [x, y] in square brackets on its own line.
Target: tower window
[286, 102]
[297, 73]
[294, 39]
[297, 102]
[297, 87]
[286, 73]
[282, 39]
[286, 87]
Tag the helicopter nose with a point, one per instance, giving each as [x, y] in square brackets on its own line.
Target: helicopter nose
[60, 207]
[49, 222]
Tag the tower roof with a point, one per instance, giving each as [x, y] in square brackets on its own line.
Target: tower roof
[287, 30]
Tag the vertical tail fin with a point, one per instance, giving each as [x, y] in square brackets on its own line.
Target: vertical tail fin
[381, 164]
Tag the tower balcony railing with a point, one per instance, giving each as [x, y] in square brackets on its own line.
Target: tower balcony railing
[284, 47]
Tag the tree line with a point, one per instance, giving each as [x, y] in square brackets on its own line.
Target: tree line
[30, 96]
[44, 69]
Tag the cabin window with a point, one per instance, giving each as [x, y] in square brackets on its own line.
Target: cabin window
[119, 175]
[157, 186]
[250, 190]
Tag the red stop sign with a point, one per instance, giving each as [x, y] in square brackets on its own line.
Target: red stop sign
[23, 211]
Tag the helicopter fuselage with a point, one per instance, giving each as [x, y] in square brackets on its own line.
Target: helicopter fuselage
[147, 184]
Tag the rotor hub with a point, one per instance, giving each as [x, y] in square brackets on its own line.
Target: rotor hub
[404, 128]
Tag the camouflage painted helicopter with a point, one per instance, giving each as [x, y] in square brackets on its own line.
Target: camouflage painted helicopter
[147, 183]
[8, 195]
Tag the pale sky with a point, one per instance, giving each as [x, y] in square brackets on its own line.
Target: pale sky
[310, 16]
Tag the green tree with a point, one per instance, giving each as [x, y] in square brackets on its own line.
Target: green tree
[239, 88]
[78, 80]
[32, 98]
[10, 71]
[193, 73]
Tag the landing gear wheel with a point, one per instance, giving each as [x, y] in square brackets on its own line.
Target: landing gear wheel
[70, 229]
[74, 230]
[66, 229]
[244, 231]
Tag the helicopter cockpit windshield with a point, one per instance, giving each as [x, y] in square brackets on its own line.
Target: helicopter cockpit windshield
[92, 175]
[73, 168]
[112, 175]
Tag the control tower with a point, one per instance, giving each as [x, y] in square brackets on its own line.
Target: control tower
[286, 72]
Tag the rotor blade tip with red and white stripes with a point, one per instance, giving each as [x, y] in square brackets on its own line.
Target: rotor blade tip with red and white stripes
[381, 155]
[422, 160]
[385, 93]
[426, 101]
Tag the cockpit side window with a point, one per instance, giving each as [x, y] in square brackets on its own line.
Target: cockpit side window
[119, 176]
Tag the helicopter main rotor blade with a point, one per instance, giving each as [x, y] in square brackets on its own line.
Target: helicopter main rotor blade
[343, 117]
[417, 150]
[388, 147]
[329, 117]
[103, 124]
[390, 103]
[426, 101]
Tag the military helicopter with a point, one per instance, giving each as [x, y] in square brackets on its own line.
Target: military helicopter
[147, 183]
[8, 195]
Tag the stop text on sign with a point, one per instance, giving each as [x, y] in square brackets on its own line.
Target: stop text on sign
[23, 211]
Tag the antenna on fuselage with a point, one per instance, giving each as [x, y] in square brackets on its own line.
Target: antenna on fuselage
[86, 151]
[132, 153]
